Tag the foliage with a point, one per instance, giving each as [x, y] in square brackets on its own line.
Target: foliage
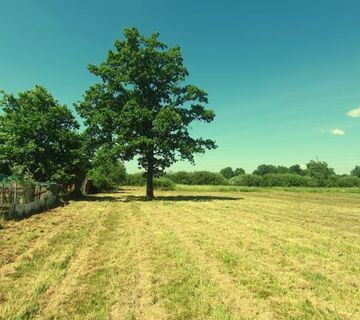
[320, 171]
[227, 172]
[249, 180]
[347, 181]
[281, 169]
[38, 137]
[197, 178]
[107, 172]
[287, 180]
[356, 172]
[296, 169]
[180, 177]
[267, 180]
[239, 171]
[164, 183]
[206, 177]
[135, 179]
[142, 108]
[234, 188]
[263, 169]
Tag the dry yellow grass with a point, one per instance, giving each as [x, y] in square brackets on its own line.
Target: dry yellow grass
[187, 255]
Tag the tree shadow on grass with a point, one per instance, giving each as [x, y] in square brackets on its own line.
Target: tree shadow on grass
[134, 198]
[95, 198]
[182, 198]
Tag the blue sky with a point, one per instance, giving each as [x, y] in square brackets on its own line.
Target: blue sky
[281, 75]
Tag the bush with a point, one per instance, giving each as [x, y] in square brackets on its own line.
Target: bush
[356, 172]
[248, 180]
[197, 178]
[207, 178]
[164, 183]
[287, 180]
[135, 179]
[321, 172]
[347, 181]
[239, 171]
[180, 177]
[107, 175]
[227, 172]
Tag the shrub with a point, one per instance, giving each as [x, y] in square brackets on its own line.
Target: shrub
[347, 181]
[107, 175]
[164, 183]
[321, 172]
[180, 177]
[135, 179]
[287, 180]
[356, 172]
[207, 178]
[248, 180]
[263, 169]
[239, 171]
[227, 172]
[197, 178]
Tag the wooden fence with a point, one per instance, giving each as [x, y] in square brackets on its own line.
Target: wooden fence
[18, 200]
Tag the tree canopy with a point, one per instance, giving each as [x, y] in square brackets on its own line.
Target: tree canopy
[265, 169]
[227, 172]
[106, 172]
[38, 137]
[356, 171]
[142, 106]
[320, 171]
[239, 171]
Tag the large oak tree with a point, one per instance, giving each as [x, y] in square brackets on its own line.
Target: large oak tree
[142, 106]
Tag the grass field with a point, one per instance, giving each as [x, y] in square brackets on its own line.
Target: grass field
[187, 255]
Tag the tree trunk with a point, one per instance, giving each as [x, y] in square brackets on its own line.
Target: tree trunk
[149, 186]
[150, 177]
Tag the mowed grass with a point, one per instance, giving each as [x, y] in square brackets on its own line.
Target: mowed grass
[187, 255]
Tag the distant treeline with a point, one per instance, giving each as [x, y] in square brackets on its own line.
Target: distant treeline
[316, 174]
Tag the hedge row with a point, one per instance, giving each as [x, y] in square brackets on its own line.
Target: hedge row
[181, 177]
[293, 180]
[251, 180]
[138, 179]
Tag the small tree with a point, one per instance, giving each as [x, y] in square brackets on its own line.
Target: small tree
[320, 171]
[296, 169]
[239, 171]
[106, 172]
[142, 108]
[263, 169]
[356, 172]
[282, 169]
[38, 137]
[227, 172]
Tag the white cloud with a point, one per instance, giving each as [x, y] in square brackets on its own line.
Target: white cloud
[354, 113]
[337, 132]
